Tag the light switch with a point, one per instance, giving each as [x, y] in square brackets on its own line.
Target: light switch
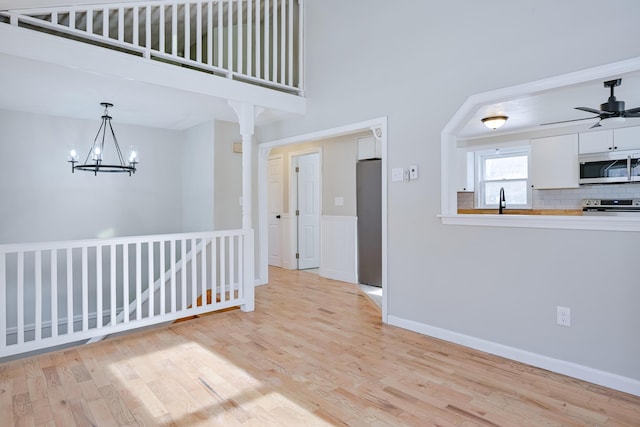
[397, 174]
[339, 201]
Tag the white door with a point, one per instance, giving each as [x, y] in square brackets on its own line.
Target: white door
[275, 194]
[308, 202]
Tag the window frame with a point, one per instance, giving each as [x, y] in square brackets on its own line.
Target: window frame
[480, 158]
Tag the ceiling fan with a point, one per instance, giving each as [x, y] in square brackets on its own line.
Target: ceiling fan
[612, 109]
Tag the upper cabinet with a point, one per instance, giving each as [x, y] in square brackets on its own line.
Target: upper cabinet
[465, 179]
[610, 140]
[369, 148]
[627, 138]
[554, 162]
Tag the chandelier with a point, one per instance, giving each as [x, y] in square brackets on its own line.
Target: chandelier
[95, 160]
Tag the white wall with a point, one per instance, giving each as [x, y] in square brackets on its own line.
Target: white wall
[501, 285]
[228, 177]
[41, 200]
[198, 178]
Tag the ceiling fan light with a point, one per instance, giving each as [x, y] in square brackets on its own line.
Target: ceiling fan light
[494, 122]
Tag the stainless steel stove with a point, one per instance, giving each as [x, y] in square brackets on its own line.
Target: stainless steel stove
[611, 207]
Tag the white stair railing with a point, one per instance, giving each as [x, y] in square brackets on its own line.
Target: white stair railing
[62, 292]
[256, 41]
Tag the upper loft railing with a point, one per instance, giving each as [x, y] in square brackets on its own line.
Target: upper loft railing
[255, 41]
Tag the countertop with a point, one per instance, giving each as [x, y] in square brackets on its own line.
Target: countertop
[565, 212]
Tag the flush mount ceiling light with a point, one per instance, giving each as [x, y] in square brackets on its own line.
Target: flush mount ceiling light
[494, 122]
[96, 161]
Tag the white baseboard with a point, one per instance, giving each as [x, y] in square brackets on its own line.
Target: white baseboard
[585, 373]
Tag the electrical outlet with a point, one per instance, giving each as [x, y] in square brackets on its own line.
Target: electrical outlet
[564, 316]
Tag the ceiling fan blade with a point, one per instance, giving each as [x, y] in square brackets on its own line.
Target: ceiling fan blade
[592, 110]
[568, 121]
[597, 125]
[632, 111]
[627, 114]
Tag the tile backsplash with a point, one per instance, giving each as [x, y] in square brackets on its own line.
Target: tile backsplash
[570, 198]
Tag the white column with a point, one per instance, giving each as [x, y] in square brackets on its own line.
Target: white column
[246, 116]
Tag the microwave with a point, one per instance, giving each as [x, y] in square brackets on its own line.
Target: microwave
[610, 167]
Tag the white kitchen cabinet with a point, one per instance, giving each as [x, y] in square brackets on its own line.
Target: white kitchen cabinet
[603, 141]
[627, 138]
[369, 148]
[465, 179]
[596, 142]
[554, 162]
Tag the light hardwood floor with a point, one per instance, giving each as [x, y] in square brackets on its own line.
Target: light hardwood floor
[313, 353]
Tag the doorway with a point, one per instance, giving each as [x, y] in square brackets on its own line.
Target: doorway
[379, 128]
[305, 205]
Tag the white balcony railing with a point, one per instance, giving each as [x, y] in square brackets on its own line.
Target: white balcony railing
[256, 41]
[63, 292]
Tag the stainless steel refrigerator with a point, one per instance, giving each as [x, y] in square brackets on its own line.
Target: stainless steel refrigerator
[369, 211]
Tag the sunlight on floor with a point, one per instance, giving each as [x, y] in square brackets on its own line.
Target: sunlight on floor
[201, 387]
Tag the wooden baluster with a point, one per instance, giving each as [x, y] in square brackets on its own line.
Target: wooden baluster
[113, 258]
[203, 266]
[89, 22]
[85, 289]
[220, 33]
[150, 280]
[258, 39]
[183, 273]
[274, 55]
[240, 44]
[300, 45]
[241, 278]
[38, 294]
[136, 26]
[174, 29]
[223, 269]
[230, 38]
[3, 299]
[163, 279]
[54, 293]
[105, 22]
[99, 303]
[148, 32]
[69, 291]
[20, 307]
[214, 268]
[232, 267]
[72, 19]
[138, 280]
[187, 31]
[199, 32]
[210, 33]
[173, 275]
[125, 281]
[250, 37]
[283, 41]
[121, 24]
[162, 44]
[266, 39]
[290, 49]
[194, 273]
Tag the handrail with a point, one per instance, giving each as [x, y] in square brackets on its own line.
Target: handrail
[61, 292]
[262, 45]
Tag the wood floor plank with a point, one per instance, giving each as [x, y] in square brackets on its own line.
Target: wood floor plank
[314, 353]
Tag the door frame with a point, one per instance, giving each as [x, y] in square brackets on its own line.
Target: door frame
[264, 149]
[293, 200]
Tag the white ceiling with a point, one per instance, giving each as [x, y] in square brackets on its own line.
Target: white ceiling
[527, 113]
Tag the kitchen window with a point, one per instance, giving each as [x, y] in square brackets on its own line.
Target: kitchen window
[506, 168]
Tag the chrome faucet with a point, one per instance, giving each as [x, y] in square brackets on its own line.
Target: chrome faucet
[503, 201]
